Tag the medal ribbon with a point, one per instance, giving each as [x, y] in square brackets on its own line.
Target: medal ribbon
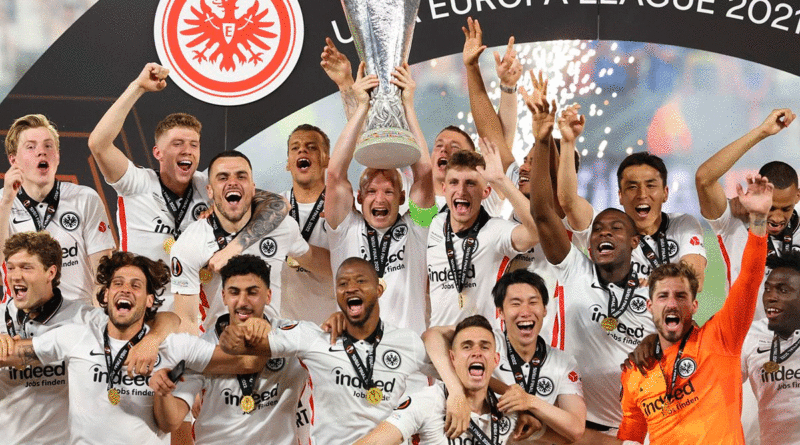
[660, 237]
[364, 372]
[12, 331]
[51, 200]
[478, 435]
[380, 259]
[536, 364]
[177, 211]
[616, 310]
[775, 354]
[115, 366]
[247, 382]
[659, 353]
[469, 246]
[785, 237]
[313, 217]
[220, 235]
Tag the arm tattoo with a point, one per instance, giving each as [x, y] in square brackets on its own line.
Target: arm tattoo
[269, 210]
[27, 355]
[350, 102]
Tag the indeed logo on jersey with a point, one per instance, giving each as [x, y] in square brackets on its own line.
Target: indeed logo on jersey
[631, 335]
[393, 258]
[783, 377]
[265, 399]
[468, 439]
[69, 255]
[100, 375]
[674, 400]
[344, 379]
[447, 276]
[37, 372]
[161, 227]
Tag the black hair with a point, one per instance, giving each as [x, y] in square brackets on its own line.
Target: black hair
[245, 265]
[519, 276]
[780, 174]
[643, 158]
[229, 154]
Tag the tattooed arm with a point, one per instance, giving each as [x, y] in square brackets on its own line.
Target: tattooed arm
[269, 210]
[16, 352]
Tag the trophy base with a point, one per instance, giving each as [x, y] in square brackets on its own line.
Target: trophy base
[385, 148]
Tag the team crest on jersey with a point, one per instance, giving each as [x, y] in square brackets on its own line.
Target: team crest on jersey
[288, 327]
[399, 232]
[504, 426]
[177, 267]
[545, 386]
[638, 304]
[470, 243]
[406, 403]
[229, 52]
[70, 221]
[268, 247]
[391, 359]
[198, 209]
[686, 367]
[276, 364]
[672, 248]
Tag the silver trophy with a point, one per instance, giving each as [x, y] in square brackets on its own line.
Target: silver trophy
[382, 31]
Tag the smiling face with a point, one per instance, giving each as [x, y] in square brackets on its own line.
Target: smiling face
[783, 202]
[613, 238]
[231, 187]
[464, 189]
[178, 153]
[126, 297]
[523, 312]
[642, 193]
[245, 296]
[357, 292]
[447, 142]
[30, 281]
[474, 357]
[380, 199]
[37, 156]
[307, 158]
[672, 305]
[782, 301]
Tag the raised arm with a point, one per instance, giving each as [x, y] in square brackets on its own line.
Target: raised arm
[555, 242]
[437, 340]
[709, 190]
[339, 192]
[421, 192]
[577, 209]
[486, 121]
[509, 70]
[339, 70]
[113, 163]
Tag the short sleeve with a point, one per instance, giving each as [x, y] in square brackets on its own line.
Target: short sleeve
[187, 389]
[96, 231]
[55, 345]
[690, 236]
[133, 182]
[571, 382]
[572, 263]
[299, 245]
[726, 223]
[185, 267]
[410, 416]
[195, 351]
[504, 240]
[292, 338]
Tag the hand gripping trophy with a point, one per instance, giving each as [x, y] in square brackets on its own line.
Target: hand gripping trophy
[382, 32]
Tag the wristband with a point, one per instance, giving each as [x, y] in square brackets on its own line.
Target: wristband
[509, 90]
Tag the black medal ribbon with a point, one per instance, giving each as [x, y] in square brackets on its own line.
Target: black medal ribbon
[115, 366]
[313, 217]
[660, 237]
[477, 434]
[12, 331]
[659, 354]
[247, 382]
[775, 354]
[536, 364]
[220, 234]
[51, 200]
[379, 252]
[785, 237]
[178, 211]
[469, 246]
[616, 309]
[364, 372]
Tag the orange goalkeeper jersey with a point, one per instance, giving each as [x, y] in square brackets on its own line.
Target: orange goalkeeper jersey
[705, 404]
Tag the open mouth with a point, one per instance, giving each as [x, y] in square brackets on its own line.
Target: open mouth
[233, 197]
[355, 306]
[20, 291]
[642, 210]
[185, 165]
[605, 247]
[773, 312]
[672, 321]
[524, 180]
[526, 326]
[461, 205]
[43, 165]
[476, 369]
[243, 313]
[303, 164]
[775, 226]
[123, 305]
[380, 211]
[441, 163]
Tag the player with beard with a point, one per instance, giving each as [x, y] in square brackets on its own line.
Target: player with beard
[359, 379]
[308, 154]
[605, 314]
[155, 206]
[33, 271]
[100, 394]
[694, 394]
[269, 396]
[34, 200]
[393, 243]
[198, 291]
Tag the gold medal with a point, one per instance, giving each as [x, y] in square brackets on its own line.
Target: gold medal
[168, 244]
[461, 300]
[374, 396]
[248, 404]
[382, 282]
[113, 396]
[291, 262]
[771, 367]
[206, 275]
[609, 323]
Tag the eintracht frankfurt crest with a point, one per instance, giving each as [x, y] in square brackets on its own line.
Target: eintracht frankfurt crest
[228, 52]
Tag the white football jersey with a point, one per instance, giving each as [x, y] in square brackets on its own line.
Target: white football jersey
[404, 299]
[80, 225]
[198, 244]
[276, 393]
[489, 262]
[39, 389]
[340, 412]
[495, 205]
[777, 392]
[143, 217]
[732, 236]
[423, 413]
[597, 351]
[92, 418]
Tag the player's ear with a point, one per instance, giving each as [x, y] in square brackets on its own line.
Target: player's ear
[157, 152]
[210, 192]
